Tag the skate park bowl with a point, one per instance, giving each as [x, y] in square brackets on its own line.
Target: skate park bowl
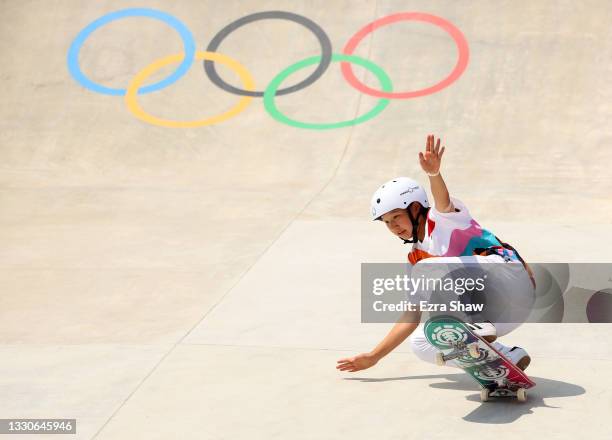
[185, 190]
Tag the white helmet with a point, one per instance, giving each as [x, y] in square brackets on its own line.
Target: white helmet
[397, 193]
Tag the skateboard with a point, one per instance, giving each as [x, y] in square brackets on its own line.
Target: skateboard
[495, 373]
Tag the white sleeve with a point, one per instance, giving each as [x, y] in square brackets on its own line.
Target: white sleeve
[460, 216]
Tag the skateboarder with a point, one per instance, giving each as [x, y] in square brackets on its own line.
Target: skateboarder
[445, 233]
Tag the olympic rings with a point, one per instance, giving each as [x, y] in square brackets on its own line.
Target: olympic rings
[326, 50]
[75, 48]
[270, 92]
[136, 109]
[460, 41]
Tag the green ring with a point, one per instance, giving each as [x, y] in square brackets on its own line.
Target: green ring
[270, 93]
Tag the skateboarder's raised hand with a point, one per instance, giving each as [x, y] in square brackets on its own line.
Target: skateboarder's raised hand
[431, 158]
[431, 161]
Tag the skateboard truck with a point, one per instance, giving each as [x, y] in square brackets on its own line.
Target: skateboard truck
[503, 388]
[460, 349]
[519, 393]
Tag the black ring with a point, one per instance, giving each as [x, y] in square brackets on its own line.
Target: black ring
[326, 51]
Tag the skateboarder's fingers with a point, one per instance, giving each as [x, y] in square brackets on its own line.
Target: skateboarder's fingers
[349, 367]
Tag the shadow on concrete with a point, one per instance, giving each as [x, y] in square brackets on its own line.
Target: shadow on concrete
[497, 410]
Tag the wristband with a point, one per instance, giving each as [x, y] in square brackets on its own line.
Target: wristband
[433, 174]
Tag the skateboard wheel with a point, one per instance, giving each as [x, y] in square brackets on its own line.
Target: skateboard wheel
[484, 394]
[521, 394]
[440, 359]
[473, 351]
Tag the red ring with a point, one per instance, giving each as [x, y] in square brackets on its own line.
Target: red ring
[460, 41]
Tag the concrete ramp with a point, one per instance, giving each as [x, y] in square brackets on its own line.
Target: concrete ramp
[185, 263]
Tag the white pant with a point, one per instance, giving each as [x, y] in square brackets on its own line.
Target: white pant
[509, 281]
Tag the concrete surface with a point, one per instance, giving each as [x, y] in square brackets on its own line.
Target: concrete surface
[164, 283]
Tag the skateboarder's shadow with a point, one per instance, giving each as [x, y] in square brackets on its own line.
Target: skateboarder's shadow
[498, 410]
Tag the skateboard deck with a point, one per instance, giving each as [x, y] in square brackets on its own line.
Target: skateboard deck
[494, 372]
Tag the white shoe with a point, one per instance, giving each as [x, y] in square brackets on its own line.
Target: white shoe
[517, 355]
[486, 330]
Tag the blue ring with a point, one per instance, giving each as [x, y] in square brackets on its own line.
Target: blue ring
[73, 53]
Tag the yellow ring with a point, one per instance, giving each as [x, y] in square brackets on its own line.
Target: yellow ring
[138, 111]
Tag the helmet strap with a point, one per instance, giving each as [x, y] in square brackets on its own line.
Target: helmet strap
[415, 223]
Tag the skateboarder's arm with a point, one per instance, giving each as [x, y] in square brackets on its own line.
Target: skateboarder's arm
[440, 194]
[398, 334]
[431, 161]
[400, 331]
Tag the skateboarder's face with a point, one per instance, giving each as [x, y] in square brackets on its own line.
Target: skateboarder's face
[398, 223]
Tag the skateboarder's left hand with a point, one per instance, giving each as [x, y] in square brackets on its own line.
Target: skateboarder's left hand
[356, 363]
